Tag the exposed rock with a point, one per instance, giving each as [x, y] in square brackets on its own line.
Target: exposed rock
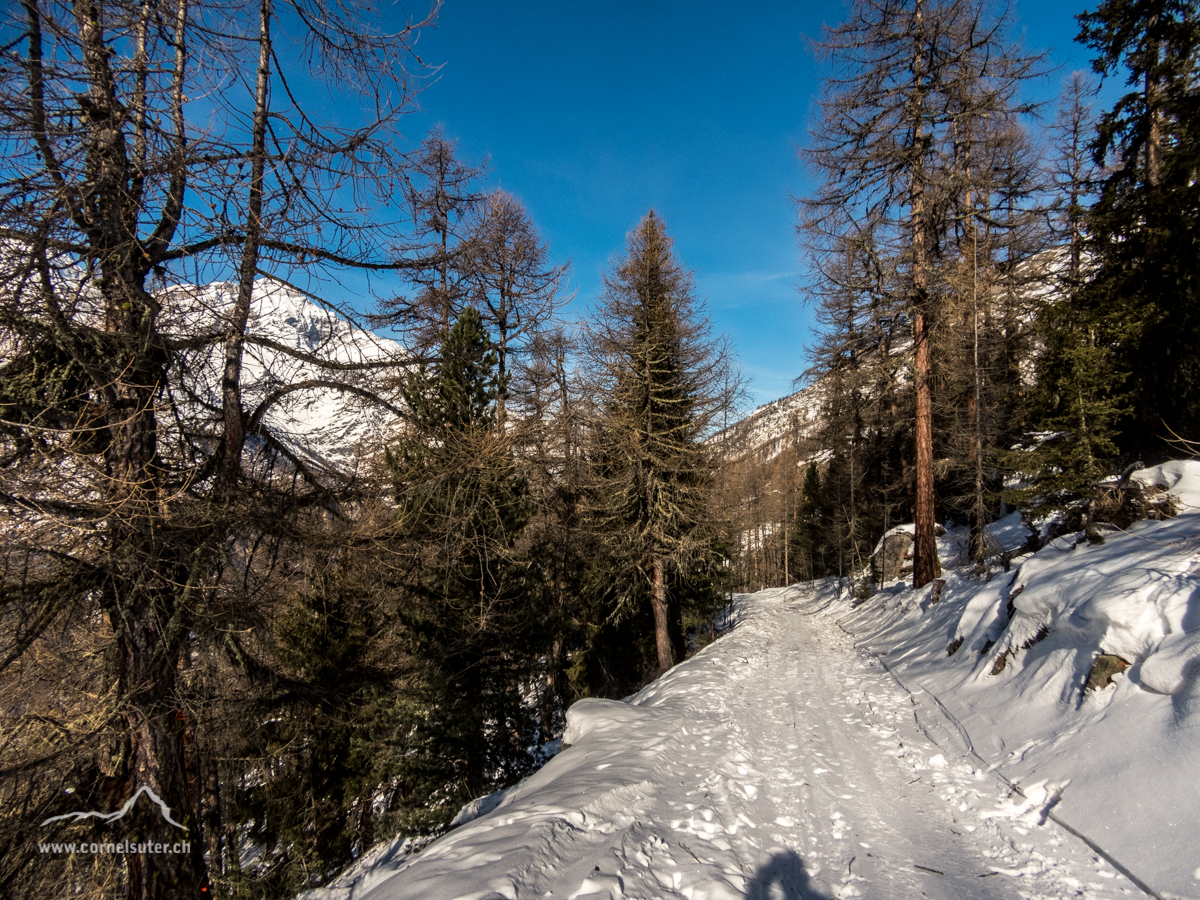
[1001, 662]
[893, 559]
[1103, 669]
[954, 645]
[1002, 659]
[939, 584]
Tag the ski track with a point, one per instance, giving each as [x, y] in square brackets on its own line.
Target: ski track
[779, 764]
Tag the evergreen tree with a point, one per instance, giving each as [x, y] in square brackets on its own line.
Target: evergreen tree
[661, 382]
[317, 739]
[462, 508]
[1144, 300]
[807, 545]
[1075, 400]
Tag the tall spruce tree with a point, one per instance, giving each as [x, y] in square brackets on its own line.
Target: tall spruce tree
[1075, 402]
[1144, 300]
[461, 510]
[661, 382]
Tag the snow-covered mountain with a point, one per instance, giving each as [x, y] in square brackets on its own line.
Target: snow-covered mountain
[902, 746]
[770, 428]
[322, 424]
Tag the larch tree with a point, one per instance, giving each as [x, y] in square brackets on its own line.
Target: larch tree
[909, 77]
[510, 280]
[661, 384]
[145, 508]
[442, 192]
[550, 432]
[856, 360]
[988, 275]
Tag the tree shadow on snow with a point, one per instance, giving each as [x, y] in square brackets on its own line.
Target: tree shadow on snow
[1191, 618]
[782, 878]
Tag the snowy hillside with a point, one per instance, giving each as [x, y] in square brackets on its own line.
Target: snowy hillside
[774, 426]
[322, 424]
[829, 747]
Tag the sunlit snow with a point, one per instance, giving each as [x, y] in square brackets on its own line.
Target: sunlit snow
[830, 748]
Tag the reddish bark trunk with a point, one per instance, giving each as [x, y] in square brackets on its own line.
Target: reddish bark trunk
[925, 561]
[662, 631]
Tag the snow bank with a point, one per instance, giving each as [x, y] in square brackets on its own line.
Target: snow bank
[1178, 477]
[595, 715]
[1007, 659]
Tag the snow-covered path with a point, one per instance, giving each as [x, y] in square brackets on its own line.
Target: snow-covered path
[780, 762]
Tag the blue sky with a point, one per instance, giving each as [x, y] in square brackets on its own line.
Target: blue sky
[593, 112]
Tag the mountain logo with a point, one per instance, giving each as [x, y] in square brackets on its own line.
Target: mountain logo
[120, 814]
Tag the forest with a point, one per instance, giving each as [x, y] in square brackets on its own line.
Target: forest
[300, 658]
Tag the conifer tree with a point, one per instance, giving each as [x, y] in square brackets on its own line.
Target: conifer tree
[660, 383]
[910, 80]
[863, 401]
[441, 193]
[506, 267]
[462, 508]
[550, 434]
[1076, 401]
[1144, 300]
[807, 544]
[987, 276]
[317, 736]
[149, 510]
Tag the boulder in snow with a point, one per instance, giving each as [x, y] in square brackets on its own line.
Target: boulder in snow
[892, 558]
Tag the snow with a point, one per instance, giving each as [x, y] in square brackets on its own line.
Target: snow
[1178, 477]
[832, 748]
[774, 426]
[324, 425]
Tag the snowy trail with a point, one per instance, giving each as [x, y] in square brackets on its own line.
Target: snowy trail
[778, 764]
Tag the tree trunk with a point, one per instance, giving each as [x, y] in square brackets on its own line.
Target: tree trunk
[210, 806]
[156, 760]
[1153, 113]
[925, 561]
[552, 699]
[662, 631]
[234, 437]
